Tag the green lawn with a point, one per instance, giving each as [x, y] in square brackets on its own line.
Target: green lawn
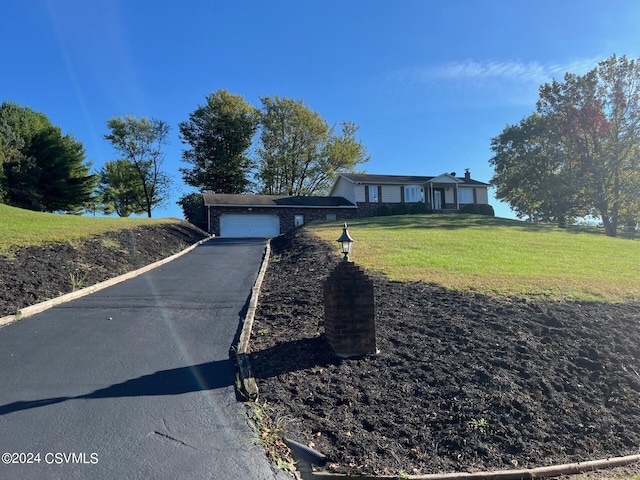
[19, 228]
[496, 255]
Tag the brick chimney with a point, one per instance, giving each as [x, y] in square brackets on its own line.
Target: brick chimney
[467, 174]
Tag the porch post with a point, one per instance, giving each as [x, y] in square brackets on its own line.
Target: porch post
[457, 198]
[431, 195]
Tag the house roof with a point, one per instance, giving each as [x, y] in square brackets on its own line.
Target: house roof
[404, 179]
[286, 201]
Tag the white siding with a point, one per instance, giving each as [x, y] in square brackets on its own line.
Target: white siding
[482, 195]
[359, 192]
[448, 195]
[391, 194]
[345, 188]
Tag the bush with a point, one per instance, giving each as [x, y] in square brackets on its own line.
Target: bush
[479, 209]
[419, 207]
[384, 211]
[400, 209]
[194, 210]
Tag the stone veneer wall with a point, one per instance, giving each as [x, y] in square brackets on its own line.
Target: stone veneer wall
[286, 215]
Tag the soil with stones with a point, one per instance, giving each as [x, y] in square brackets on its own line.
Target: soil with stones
[35, 274]
[463, 382]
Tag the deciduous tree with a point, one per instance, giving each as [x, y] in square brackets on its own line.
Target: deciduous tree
[533, 175]
[298, 153]
[593, 125]
[141, 142]
[120, 189]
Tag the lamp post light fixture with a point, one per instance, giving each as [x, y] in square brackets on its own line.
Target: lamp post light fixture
[346, 242]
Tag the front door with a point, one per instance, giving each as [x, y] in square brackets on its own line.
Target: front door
[437, 199]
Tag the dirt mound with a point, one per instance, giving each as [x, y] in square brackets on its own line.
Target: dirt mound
[463, 382]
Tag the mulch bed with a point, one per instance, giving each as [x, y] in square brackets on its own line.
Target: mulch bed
[35, 274]
[463, 381]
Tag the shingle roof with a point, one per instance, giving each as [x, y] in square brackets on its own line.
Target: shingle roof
[229, 200]
[401, 179]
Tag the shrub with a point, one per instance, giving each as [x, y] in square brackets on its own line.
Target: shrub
[479, 209]
[194, 210]
[384, 211]
[419, 207]
[400, 209]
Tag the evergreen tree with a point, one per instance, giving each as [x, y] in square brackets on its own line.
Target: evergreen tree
[219, 134]
[42, 169]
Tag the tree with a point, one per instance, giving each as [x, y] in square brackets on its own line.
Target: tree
[592, 125]
[194, 210]
[532, 173]
[298, 153]
[11, 145]
[141, 143]
[41, 168]
[120, 189]
[598, 117]
[219, 134]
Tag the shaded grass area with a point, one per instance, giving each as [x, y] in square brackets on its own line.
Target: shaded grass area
[496, 255]
[21, 228]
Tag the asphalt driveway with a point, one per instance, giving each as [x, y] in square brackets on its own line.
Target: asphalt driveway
[134, 381]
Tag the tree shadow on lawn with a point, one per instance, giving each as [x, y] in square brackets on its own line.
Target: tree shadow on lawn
[459, 221]
[175, 381]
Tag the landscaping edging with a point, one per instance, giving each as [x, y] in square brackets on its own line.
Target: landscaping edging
[311, 457]
[249, 386]
[532, 473]
[42, 306]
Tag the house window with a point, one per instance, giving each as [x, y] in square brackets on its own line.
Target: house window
[298, 220]
[465, 195]
[331, 217]
[413, 194]
[375, 193]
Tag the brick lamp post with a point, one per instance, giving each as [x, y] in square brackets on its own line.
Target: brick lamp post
[349, 313]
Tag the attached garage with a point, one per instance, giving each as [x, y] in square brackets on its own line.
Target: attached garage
[237, 215]
[249, 225]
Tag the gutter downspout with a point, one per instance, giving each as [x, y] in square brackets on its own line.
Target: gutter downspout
[208, 218]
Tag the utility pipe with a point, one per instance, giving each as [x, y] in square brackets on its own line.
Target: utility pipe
[531, 473]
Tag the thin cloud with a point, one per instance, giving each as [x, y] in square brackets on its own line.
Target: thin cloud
[518, 72]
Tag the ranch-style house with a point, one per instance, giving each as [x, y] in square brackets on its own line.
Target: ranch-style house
[353, 195]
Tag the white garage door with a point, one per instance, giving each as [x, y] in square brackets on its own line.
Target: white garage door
[249, 225]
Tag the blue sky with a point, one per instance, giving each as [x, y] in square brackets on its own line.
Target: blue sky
[428, 82]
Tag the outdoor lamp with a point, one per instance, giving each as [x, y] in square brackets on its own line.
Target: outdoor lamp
[345, 243]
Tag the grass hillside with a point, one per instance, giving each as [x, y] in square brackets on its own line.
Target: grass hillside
[496, 255]
[20, 228]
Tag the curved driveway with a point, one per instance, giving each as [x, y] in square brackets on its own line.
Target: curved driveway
[135, 381]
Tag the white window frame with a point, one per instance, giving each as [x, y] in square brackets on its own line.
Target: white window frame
[465, 195]
[413, 194]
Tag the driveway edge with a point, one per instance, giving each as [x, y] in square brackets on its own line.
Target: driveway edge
[249, 385]
[42, 306]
